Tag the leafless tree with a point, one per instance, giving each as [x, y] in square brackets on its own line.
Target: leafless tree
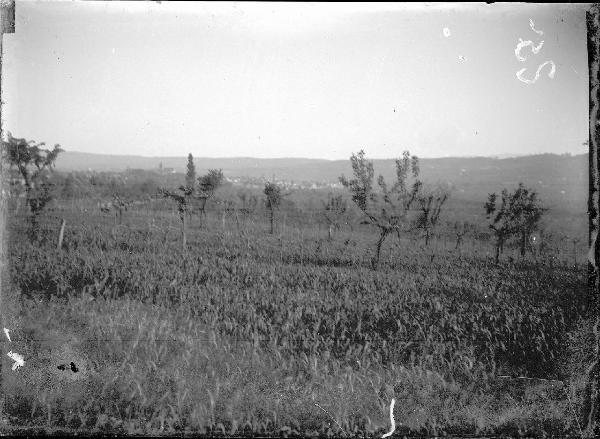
[391, 209]
[34, 163]
[334, 211]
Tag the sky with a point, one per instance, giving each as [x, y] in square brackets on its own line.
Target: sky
[297, 79]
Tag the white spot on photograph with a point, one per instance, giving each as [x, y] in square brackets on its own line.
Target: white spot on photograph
[537, 73]
[392, 421]
[532, 25]
[17, 358]
[535, 49]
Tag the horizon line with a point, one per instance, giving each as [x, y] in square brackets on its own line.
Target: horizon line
[496, 156]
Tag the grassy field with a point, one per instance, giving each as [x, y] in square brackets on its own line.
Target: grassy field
[291, 334]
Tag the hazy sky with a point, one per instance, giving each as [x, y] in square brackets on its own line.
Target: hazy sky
[296, 79]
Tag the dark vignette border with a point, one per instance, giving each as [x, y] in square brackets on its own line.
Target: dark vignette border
[7, 25]
[592, 391]
[592, 396]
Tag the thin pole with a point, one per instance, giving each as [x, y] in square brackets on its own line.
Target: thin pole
[61, 234]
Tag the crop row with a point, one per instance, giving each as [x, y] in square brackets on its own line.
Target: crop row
[450, 314]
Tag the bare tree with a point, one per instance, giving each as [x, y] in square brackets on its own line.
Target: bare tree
[430, 205]
[228, 209]
[119, 205]
[34, 163]
[518, 215]
[249, 203]
[334, 211]
[500, 222]
[182, 198]
[461, 228]
[389, 208]
[274, 197]
[526, 213]
[207, 186]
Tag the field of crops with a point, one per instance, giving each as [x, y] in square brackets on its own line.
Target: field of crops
[250, 332]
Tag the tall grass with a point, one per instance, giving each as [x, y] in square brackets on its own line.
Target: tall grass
[247, 333]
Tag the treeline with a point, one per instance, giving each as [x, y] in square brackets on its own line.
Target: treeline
[405, 206]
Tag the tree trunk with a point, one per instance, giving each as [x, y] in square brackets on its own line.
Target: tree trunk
[498, 245]
[202, 217]
[523, 244]
[202, 213]
[330, 232]
[382, 235]
[426, 237]
[35, 225]
[183, 232]
[272, 221]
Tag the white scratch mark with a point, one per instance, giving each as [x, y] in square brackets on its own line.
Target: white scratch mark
[462, 58]
[6, 331]
[17, 358]
[537, 73]
[446, 32]
[332, 418]
[532, 25]
[391, 419]
[535, 49]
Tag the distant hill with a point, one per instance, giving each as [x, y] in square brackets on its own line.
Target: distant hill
[560, 179]
[82, 161]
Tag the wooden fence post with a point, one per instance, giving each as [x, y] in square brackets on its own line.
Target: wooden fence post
[61, 234]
